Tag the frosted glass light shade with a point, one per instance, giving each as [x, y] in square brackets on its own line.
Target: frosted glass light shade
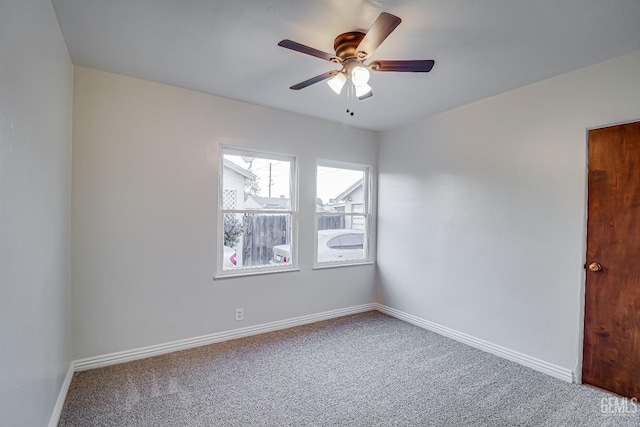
[362, 90]
[360, 76]
[337, 82]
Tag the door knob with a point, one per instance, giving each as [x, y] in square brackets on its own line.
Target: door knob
[594, 266]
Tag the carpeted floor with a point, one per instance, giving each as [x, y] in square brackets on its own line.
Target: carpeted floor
[362, 370]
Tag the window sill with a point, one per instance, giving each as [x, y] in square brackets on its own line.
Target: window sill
[346, 264]
[252, 273]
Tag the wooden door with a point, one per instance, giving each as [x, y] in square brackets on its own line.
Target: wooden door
[611, 352]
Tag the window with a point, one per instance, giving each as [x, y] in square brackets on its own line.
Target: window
[257, 221]
[342, 214]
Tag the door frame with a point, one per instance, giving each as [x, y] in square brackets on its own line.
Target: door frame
[577, 375]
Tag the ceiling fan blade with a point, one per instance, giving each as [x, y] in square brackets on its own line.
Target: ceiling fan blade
[378, 32]
[289, 44]
[313, 80]
[366, 95]
[415, 66]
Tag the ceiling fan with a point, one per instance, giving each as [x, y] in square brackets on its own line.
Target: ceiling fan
[352, 50]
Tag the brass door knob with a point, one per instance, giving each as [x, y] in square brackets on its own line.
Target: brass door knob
[594, 266]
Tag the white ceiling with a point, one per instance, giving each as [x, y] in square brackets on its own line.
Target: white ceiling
[229, 47]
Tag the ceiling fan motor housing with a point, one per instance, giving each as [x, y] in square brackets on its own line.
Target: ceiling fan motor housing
[347, 43]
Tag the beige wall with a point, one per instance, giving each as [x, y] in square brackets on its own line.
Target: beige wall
[145, 159]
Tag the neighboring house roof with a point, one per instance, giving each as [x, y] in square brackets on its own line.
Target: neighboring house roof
[271, 202]
[350, 190]
[238, 169]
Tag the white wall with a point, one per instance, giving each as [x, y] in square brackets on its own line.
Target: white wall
[144, 214]
[35, 209]
[482, 210]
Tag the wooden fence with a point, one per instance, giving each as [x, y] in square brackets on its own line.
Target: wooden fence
[261, 233]
[330, 222]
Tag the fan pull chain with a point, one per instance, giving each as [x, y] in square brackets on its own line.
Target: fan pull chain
[346, 98]
[350, 97]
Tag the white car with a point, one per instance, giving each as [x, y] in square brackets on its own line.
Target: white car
[229, 258]
[333, 245]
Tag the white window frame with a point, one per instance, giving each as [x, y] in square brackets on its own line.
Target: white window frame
[366, 185]
[293, 211]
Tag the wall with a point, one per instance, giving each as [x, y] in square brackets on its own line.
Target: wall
[482, 210]
[145, 159]
[35, 208]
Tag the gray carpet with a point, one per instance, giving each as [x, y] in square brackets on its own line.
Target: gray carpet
[362, 370]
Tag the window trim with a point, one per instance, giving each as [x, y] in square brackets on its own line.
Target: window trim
[293, 211]
[367, 187]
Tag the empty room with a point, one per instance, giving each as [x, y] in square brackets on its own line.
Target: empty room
[319, 213]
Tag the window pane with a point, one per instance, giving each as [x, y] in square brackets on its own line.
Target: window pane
[254, 240]
[339, 190]
[256, 183]
[341, 238]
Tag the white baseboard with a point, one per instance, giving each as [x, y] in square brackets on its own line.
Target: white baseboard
[155, 350]
[506, 353]
[57, 409]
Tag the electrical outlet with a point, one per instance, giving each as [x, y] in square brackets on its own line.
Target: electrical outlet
[239, 314]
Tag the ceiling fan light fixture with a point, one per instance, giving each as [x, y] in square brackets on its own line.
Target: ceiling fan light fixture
[336, 83]
[360, 76]
[362, 90]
